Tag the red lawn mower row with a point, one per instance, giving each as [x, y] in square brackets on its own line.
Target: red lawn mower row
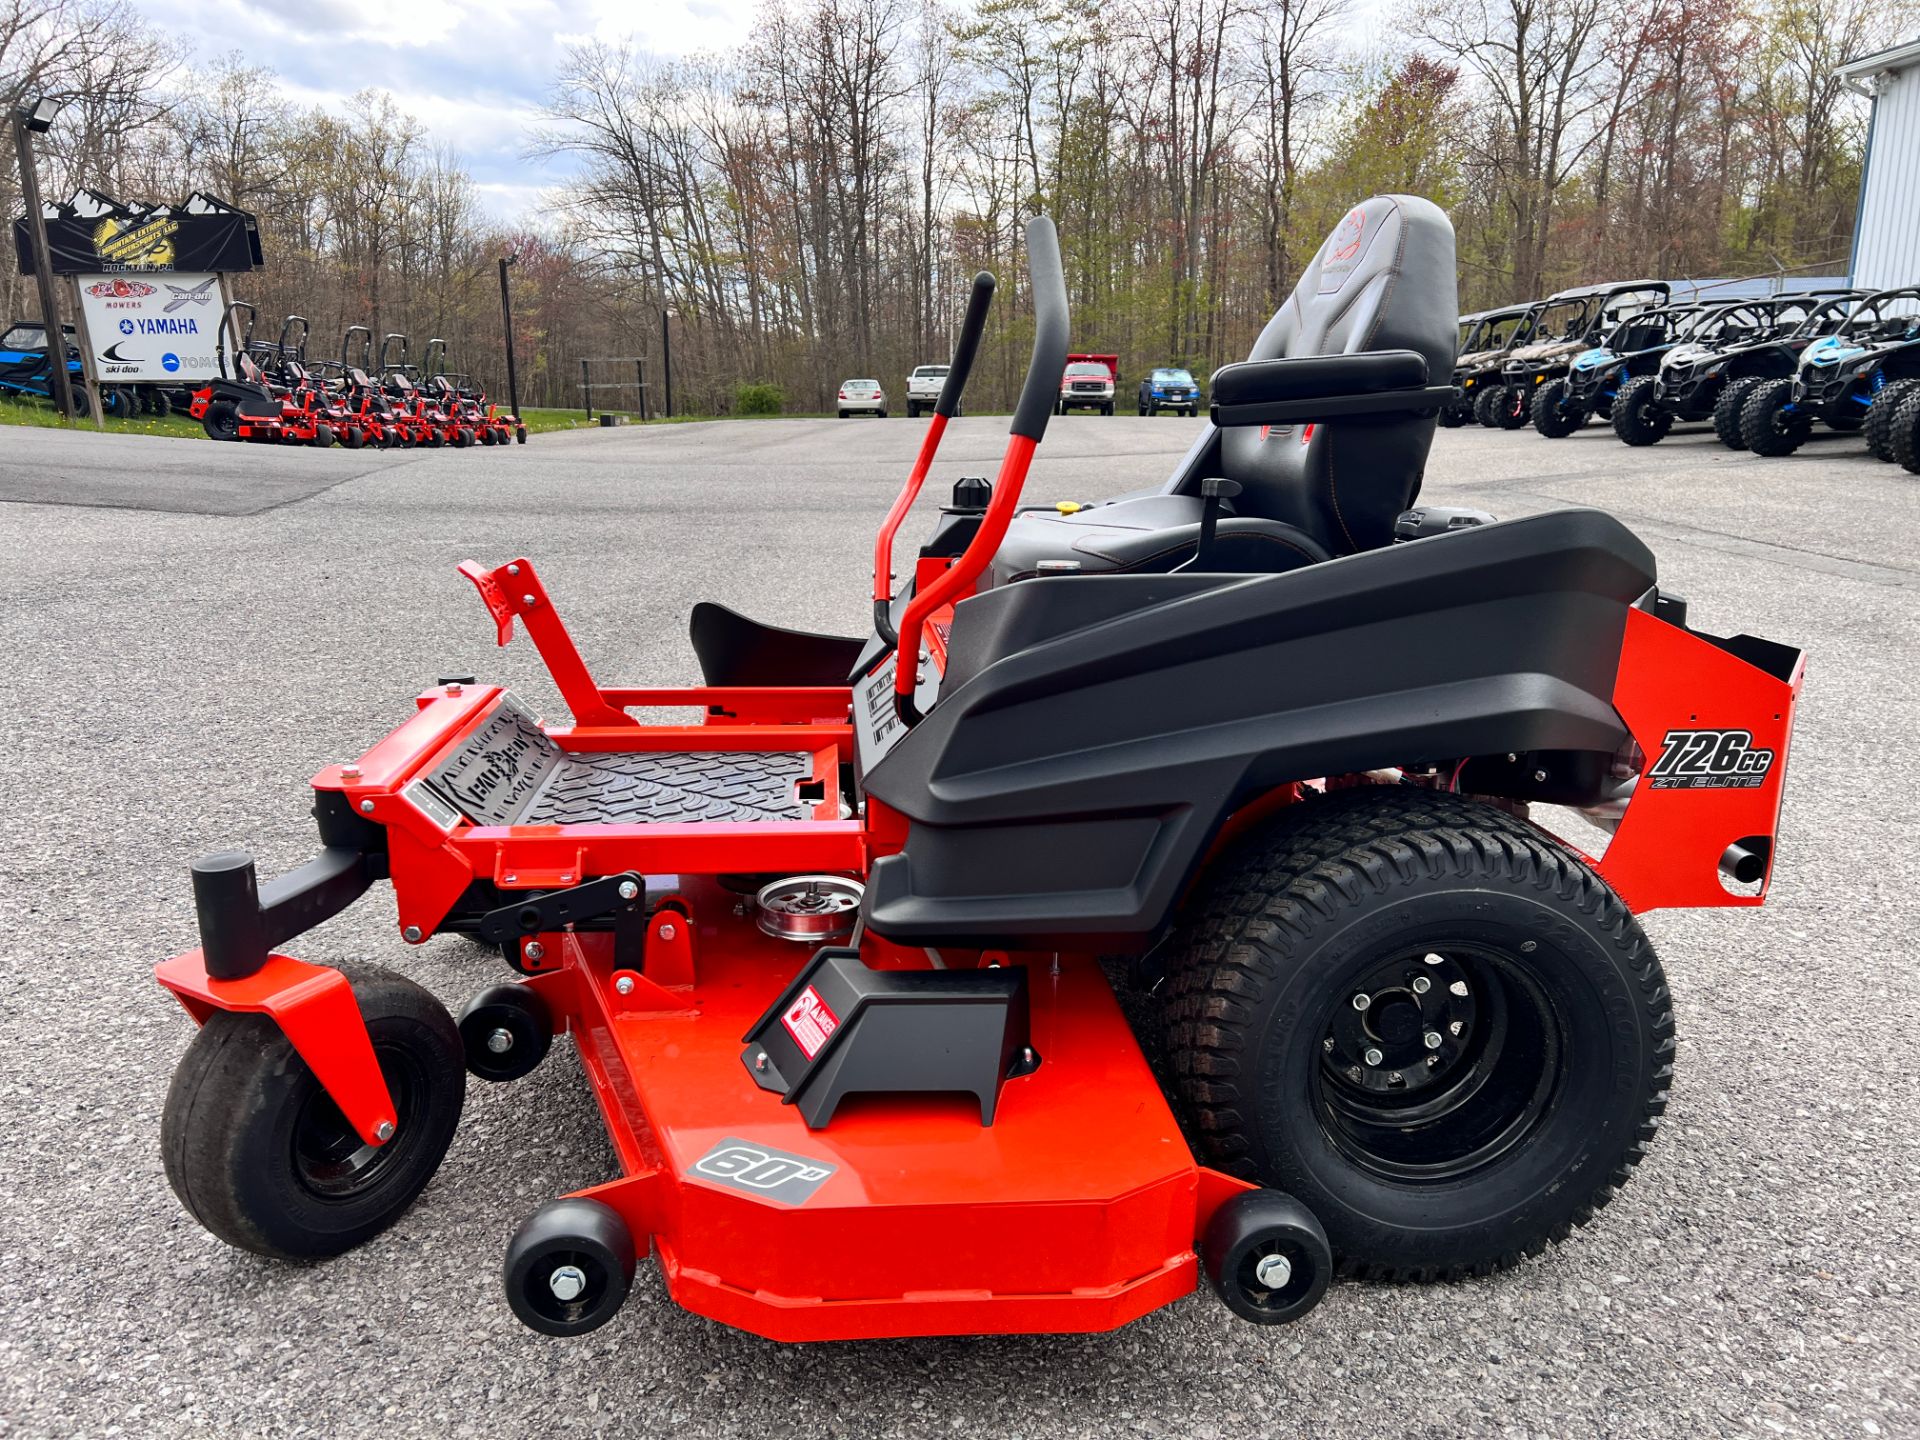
[839, 954]
[274, 396]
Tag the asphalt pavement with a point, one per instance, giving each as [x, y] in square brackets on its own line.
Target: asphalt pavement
[191, 630]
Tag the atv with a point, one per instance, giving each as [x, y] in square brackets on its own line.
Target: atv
[25, 370]
[1595, 377]
[1568, 324]
[830, 953]
[1477, 370]
[1841, 378]
[1710, 375]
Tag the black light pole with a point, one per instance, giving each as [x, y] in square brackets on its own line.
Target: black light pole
[28, 121]
[513, 375]
[666, 361]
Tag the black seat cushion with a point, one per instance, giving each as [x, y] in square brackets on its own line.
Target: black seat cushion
[1151, 534]
[734, 649]
[1383, 281]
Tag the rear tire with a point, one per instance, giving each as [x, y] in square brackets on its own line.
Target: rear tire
[261, 1156]
[1767, 426]
[1452, 417]
[1905, 430]
[1554, 415]
[1486, 406]
[1637, 418]
[1386, 919]
[1726, 410]
[1514, 410]
[1880, 417]
[222, 421]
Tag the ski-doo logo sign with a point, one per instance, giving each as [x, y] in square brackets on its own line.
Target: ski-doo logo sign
[1710, 760]
[763, 1171]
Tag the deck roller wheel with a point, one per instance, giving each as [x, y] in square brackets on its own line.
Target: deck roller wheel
[569, 1267]
[1267, 1256]
[505, 1031]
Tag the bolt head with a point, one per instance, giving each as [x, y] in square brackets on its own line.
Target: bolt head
[629, 890]
[1432, 1038]
[528, 601]
[534, 950]
[1273, 1271]
[411, 935]
[624, 985]
[667, 932]
[349, 772]
[513, 569]
[383, 1132]
[455, 688]
[500, 1041]
[1421, 984]
[366, 807]
[760, 1061]
[1539, 777]
[567, 1283]
[1362, 1000]
[1373, 1057]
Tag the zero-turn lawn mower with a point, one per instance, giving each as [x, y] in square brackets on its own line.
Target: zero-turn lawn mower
[1477, 373]
[829, 953]
[1711, 372]
[1567, 325]
[256, 402]
[1841, 378]
[1594, 377]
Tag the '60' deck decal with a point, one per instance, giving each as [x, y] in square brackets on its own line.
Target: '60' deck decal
[763, 1171]
[1710, 760]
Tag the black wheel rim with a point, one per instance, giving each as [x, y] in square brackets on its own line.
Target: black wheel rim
[331, 1161]
[1396, 1103]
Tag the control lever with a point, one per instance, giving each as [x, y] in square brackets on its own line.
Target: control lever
[1213, 494]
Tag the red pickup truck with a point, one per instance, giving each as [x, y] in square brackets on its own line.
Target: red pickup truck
[1088, 382]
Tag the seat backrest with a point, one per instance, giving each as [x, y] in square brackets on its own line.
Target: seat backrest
[1383, 280]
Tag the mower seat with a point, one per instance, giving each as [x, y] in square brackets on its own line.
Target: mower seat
[1378, 297]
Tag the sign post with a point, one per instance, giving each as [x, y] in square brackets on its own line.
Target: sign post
[24, 120]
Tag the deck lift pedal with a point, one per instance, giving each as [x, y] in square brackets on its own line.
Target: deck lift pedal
[828, 952]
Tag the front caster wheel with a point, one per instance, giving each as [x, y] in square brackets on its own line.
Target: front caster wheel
[260, 1155]
[1267, 1257]
[506, 1031]
[568, 1268]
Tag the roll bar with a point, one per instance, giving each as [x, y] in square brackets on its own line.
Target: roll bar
[979, 299]
[1047, 278]
[240, 342]
[385, 342]
[434, 346]
[346, 345]
[298, 352]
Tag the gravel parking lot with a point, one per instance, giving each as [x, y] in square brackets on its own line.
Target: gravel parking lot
[192, 630]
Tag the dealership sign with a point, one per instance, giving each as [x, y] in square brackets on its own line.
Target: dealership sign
[162, 328]
[94, 234]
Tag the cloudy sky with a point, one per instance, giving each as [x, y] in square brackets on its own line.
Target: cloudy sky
[473, 70]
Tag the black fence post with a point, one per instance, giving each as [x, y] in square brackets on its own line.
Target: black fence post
[666, 361]
[506, 314]
[586, 388]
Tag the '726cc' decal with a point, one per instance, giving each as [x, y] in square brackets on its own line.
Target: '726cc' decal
[1710, 760]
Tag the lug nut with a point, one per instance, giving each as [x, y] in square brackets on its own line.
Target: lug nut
[628, 890]
[1459, 987]
[1435, 959]
[1273, 1271]
[567, 1283]
[1421, 984]
[1373, 1057]
[1362, 1000]
[535, 950]
[624, 985]
[1433, 1039]
[1456, 1028]
[500, 1041]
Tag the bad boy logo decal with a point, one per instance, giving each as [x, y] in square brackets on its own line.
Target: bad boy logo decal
[1343, 251]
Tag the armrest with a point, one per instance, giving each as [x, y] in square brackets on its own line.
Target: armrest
[1319, 387]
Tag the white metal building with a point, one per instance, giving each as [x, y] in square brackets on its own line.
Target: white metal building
[1886, 231]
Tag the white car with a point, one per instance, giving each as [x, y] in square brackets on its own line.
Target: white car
[862, 395]
[923, 389]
